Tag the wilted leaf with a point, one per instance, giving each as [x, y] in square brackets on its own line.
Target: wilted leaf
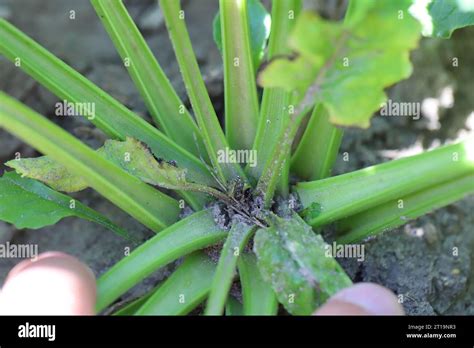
[131, 155]
[295, 261]
[50, 172]
[259, 30]
[27, 203]
[134, 157]
[441, 17]
[348, 64]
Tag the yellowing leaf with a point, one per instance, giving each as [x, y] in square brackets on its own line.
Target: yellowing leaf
[50, 172]
[131, 155]
[347, 65]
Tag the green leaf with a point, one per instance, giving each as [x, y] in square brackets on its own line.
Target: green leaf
[295, 261]
[356, 12]
[240, 89]
[110, 116]
[318, 148]
[233, 247]
[317, 151]
[258, 296]
[440, 18]
[344, 195]
[193, 233]
[274, 111]
[233, 307]
[184, 290]
[277, 163]
[27, 203]
[166, 108]
[132, 307]
[346, 66]
[259, 24]
[146, 204]
[213, 136]
[391, 214]
[131, 155]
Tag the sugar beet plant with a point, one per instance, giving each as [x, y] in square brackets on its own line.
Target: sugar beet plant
[257, 223]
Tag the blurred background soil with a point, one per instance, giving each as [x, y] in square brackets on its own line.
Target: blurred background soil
[415, 261]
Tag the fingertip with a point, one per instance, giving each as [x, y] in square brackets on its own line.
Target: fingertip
[53, 284]
[26, 263]
[363, 299]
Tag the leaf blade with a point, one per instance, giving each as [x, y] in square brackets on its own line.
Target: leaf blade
[185, 289]
[233, 307]
[161, 99]
[49, 172]
[389, 215]
[258, 296]
[277, 163]
[149, 206]
[274, 111]
[240, 89]
[440, 18]
[344, 195]
[214, 138]
[316, 153]
[130, 155]
[195, 232]
[352, 57]
[111, 116]
[259, 23]
[223, 278]
[26, 203]
[294, 260]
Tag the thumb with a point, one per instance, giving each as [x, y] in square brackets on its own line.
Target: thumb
[362, 299]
